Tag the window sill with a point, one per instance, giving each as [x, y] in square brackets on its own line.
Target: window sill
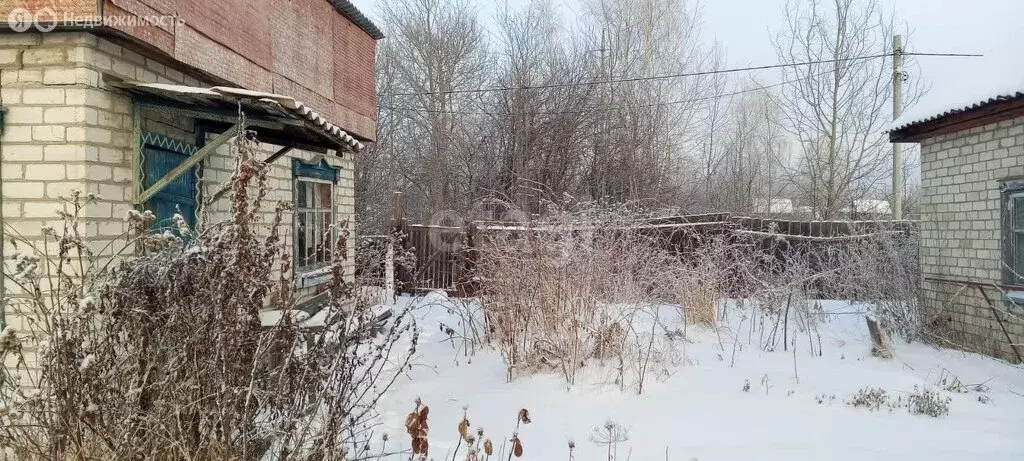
[313, 277]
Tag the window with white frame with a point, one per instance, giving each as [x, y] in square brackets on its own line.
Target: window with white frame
[1013, 241]
[314, 215]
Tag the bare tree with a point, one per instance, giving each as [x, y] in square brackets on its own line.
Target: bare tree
[640, 138]
[378, 167]
[710, 155]
[746, 155]
[837, 108]
[538, 124]
[439, 51]
[537, 111]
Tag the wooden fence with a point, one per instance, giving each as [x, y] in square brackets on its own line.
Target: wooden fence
[444, 255]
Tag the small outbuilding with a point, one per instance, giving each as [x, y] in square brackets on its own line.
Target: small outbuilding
[972, 219]
[136, 102]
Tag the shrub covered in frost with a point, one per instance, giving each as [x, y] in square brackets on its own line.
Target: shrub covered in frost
[928, 402]
[870, 398]
[162, 355]
[919, 402]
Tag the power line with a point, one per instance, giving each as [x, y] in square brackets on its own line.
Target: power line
[667, 76]
[596, 109]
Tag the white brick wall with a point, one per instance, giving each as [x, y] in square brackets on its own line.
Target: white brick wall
[961, 230]
[218, 168]
[64, 132]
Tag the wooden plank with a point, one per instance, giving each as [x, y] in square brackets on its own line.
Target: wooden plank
[224, 116]
[187, 164]
[276, 155]
[136, 162]
[226, 187]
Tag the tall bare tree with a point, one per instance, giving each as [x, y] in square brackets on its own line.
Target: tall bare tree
[439, 50]
[642, 132]
[837, 108]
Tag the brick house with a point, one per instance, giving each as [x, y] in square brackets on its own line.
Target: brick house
[972, 219]
[135, 100]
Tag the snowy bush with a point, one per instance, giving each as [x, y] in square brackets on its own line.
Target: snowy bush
[884, 271]
[581, 285]
[871, 398]
[566, 289]
[162, 355]
[928, 402]
[921, 401]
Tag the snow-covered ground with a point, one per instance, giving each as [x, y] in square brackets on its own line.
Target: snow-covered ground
[702, 412]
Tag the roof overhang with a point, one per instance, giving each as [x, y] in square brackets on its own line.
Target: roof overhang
[994, 110]
[278, 119]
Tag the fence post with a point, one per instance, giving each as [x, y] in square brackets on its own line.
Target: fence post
[468, 284]
[400, 238]
[389, 272]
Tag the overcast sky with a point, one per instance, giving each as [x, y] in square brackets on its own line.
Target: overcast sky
[994, 28]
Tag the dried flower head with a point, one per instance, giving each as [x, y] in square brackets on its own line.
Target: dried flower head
[423, 415]
[524, 416]
[464, 429]
[181, 224]
[9, 339]
[417, 427]
[488, 447]
[420, 446]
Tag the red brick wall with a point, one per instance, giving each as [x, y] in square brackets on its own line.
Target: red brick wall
[359, 50]
[301, 48]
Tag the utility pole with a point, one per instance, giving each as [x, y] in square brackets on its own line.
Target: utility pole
[897, 109]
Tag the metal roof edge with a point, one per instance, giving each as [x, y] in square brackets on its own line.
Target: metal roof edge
[958, 110]
[348, 10]
[918, 129]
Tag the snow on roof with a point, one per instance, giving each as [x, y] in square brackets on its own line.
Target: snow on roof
[996, 77]
[869, 206]
[936, 110]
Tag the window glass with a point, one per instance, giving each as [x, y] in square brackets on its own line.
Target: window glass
[1018, 213]
[300, 195]
[324, 192]
[1018, 258]
[314, 215]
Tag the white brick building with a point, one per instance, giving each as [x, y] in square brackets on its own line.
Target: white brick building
[972, 221]
[144, 125]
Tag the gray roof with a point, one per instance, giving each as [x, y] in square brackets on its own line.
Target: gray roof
[924, 113]
[348, 10]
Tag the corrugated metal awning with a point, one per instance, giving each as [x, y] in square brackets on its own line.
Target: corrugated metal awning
[309, 127]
